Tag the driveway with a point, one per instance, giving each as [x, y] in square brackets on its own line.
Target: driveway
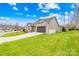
[7, 39]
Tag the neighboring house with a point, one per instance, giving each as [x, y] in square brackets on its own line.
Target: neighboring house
[76, 27]
[44, 25]
[9, 28]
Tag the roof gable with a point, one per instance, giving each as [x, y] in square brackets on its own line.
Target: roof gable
[48, 19]
[45, 19]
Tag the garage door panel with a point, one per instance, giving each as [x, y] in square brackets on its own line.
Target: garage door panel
[41, 29]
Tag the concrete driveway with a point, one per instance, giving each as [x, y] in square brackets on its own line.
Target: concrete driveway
[7, 39]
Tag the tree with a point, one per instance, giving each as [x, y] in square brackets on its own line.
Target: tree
[17, 27]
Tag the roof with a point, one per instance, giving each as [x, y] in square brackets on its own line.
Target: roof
[45, 19]
[32, 24]
[48, 19]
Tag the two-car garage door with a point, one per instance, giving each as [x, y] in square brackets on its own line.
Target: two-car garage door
[41, 29]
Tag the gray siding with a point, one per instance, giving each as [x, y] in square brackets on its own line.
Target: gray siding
[51, 25]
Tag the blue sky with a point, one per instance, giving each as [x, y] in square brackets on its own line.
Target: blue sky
[31, 12]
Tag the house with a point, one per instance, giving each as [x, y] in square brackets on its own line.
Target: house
[10, 28]
[45, 25]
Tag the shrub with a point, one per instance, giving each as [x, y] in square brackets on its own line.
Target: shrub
[63, 29]
[24, 30]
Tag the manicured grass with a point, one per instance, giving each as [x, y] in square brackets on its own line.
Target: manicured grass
[62, 44]
[13, 34]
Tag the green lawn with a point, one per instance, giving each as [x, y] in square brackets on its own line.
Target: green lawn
[62, 44]
[13, 34]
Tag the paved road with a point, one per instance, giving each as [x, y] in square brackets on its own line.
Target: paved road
[7, 39]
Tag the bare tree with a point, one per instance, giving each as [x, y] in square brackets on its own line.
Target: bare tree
[16, 26]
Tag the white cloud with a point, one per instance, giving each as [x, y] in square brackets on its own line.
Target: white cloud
[45, 7]
[40, 5]
[57, 15]
[12, 4]
[7, 18]
[51, 15]
[66, 17]
[15, 8]
[34, 15]
[41, 17]
[52, 6]
[28, 15]
[25, 8]
[71, 12]
[72, 6]
[45, 11]
[66, 12]
[48, 6]
[4, 18]
[19, 13]
[1, 17]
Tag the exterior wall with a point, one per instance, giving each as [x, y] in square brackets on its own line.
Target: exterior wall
[28, 28]
[42, 24]
[53, 24]
[50, 24]
[77, 26]
[52, 31]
